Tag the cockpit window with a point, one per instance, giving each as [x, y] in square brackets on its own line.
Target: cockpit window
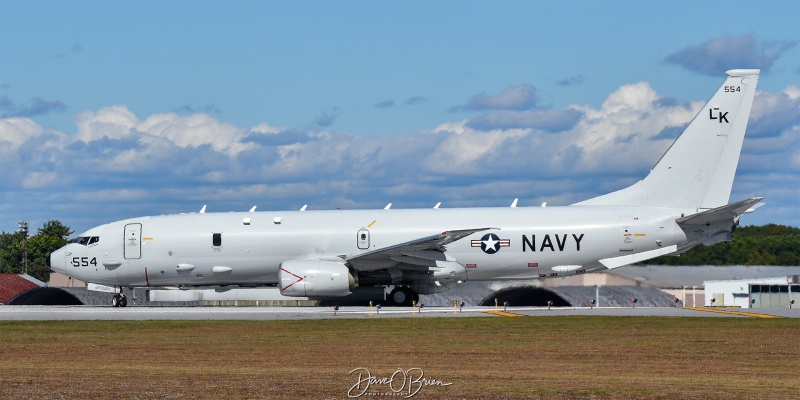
[86, 240]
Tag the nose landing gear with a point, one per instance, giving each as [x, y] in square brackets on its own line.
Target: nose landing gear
[119, 300]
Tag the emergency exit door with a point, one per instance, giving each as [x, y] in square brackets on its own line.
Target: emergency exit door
[363, 239]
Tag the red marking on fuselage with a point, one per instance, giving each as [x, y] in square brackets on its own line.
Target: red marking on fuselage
[146, 278]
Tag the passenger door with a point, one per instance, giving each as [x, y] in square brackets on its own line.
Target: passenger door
[133, 241]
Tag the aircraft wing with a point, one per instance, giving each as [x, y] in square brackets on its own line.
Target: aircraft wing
[429, 248]
[724, 213]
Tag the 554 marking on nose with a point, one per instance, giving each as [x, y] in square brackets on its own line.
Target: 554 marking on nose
[83, 261]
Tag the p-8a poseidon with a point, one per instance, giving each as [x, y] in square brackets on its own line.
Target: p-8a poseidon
[681, 203]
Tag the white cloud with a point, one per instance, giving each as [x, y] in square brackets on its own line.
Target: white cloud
[110, 122]
[265, 128]
[16, 131]
[197, 130]
[38, 180]
[457, 127]
[774, 112]
[792, 91]
[467, 149]
[624, 131]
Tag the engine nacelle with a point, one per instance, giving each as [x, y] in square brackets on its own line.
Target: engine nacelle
[304, 278]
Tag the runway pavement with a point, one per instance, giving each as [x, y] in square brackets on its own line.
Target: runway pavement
[64, 313]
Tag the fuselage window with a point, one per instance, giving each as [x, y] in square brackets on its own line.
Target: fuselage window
[217, 240]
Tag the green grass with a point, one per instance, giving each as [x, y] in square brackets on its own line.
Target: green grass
[483, 357]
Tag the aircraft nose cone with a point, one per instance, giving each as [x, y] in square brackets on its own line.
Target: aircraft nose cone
[55, 261]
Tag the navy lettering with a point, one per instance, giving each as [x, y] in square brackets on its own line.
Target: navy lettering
[529, 242]
[547, 243]
[578, 241]
[561, 243]
[526, 243]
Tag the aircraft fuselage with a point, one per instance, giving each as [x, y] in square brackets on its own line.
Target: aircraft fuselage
[248, 248]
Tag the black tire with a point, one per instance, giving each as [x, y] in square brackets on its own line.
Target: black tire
[401, 297]
[123, 301]
[115, 301]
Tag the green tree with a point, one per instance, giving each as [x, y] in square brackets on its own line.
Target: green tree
[752, 245]
[55, 229]
[10, 261]
[50, 237]
[11, 252]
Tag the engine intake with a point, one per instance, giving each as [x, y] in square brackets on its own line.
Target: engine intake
[305, 278]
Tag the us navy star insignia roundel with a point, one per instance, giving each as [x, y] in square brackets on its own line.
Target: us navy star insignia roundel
[491, 243]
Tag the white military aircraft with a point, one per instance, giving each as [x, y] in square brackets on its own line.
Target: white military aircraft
[681, 203]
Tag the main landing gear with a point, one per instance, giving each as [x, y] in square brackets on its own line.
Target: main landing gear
[402, 296]
[119, 300]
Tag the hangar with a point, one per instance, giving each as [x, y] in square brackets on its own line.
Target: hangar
[753, 293]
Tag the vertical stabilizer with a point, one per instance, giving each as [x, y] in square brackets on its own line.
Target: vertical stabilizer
[697, 170]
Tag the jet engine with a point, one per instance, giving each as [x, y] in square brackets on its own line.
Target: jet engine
[313, 277]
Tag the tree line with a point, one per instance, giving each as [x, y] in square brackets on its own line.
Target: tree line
[769, 244]
[50, 237]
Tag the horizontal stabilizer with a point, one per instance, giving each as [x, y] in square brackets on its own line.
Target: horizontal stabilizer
[724, 213]
[628, 259]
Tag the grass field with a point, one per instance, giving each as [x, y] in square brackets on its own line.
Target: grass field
[483, 357]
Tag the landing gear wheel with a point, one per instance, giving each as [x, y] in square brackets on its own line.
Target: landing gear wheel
[116, 300]
[402, 296]
[123, 301]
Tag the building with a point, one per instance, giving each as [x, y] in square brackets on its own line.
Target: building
[753, 293]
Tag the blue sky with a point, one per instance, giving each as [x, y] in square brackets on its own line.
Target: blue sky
[118, 109]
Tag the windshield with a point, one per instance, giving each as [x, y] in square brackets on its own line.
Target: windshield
[86, 240]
